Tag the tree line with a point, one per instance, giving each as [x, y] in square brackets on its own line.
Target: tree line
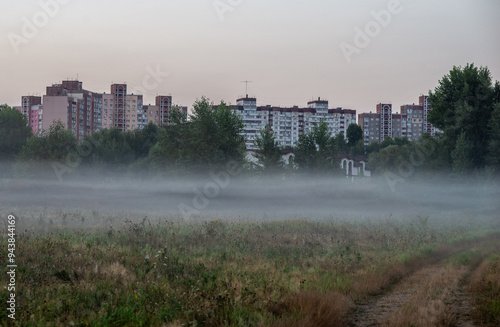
[465, 107]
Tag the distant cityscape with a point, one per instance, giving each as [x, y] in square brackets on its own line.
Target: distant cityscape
[85, 112]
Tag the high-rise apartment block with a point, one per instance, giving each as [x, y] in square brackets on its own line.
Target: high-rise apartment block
[121, 110]
[290, 122]
[31, 108]
[370, 124]
[79, 110]
[159, 113]
[411, 123]
[85, 112]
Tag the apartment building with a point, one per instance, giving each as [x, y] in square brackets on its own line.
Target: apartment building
[399, 125]
[31, 108]
[78, 109]
[85, 112]
[411, 122]
[423, 100]
[385, 111]
[415, 120]
[159, 113]
[370, 124]
[289, 123]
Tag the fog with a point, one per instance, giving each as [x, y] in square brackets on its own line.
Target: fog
[250, 198]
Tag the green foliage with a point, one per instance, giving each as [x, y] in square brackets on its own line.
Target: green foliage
[317, 151]
[354, 134]
[214, 273]
[358, 149]
[110, 148]
[42, 155]
[14, 132]
[141, 141]
[462, 155]
[212, 138]
[53, 145]
[463, 102]
[390, 158]
[269, 153]
[494, 145]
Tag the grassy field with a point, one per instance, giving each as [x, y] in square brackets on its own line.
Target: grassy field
[85, 270]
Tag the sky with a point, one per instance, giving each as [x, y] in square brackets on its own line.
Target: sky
[354, 54]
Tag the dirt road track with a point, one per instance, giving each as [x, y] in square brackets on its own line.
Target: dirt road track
[434, 295]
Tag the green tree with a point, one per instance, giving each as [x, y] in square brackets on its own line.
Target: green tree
[110, 148]
[463, 102]
[52, 145]
[393, 159]
[44, 155]
[211, 138]
[387, 142]
[141, 141]
[269, 153]
[494, 145]
[14, 132]
[317, 151]
[462, 155]
[354, 134]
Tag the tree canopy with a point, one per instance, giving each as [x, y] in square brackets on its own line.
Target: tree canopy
[213, 137]
[317, 150]
[462, 107]
[14, 132]
[269, 153]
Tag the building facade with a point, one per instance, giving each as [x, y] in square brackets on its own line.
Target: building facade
[78, 109]
[411, 122]
[85, 112]
[289, 123]
[370, 124]
[32, 109]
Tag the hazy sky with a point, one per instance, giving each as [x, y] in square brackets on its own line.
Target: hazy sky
[289, 49]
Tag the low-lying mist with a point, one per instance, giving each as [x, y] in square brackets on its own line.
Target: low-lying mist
[257, 198]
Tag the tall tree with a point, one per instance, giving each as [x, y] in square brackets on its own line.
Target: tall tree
[54, 144]
[49, 155]
[141, 141]
[213, 136]
[463, 102]
[462, 155]
[269, 152]
[110, 148]
[14, 132]
[354, 134]
[494, 145]
[317, 150]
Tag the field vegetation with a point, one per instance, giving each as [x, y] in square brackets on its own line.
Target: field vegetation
[88, 269]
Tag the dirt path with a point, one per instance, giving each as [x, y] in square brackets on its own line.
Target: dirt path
[433, 295]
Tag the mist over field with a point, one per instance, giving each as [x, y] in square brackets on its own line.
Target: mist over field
[211, 197]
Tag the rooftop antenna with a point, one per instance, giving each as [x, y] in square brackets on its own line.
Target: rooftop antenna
[246, 86]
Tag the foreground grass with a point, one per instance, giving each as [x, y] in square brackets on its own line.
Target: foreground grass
[294, 273]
